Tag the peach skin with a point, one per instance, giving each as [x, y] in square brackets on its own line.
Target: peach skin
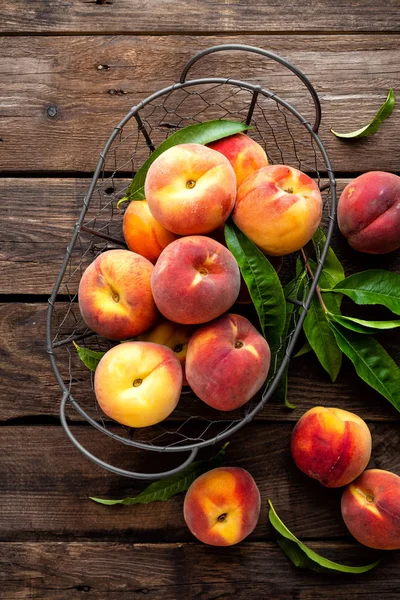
[279, 208]
[331, 445]
[371, 509]
[115, 296]
[369, 212]
[222, 506]
[173, 335]
[138, 383]
[227, 362]
[196, 279]
[190, 189]
[142, 233]
[244, 154]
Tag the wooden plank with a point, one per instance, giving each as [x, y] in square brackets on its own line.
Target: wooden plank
[131, 16]
[169, 571]
[37, 220]
[45, 485]
[59, 101]
[25, 366]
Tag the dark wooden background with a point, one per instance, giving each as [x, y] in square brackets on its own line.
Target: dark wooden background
[70, 70]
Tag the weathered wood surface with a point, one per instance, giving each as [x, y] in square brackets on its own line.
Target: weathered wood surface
[38, 216]
[158, 17]
[111, 571]
[45, 484]
[60, 99]
[28, 386]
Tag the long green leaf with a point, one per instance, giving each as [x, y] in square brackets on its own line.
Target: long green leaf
[363, 326]
[372, 287]
[305, 349]
[302, 556]
[90, 358]
[263, 283]
[320, 337]
[333, 271]
[383, 113]
[372, 363]
[199, 133]
[164, 489]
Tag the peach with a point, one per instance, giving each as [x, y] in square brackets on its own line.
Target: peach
[227, 362]
[331, 445]
[138, 383]
[371, 509]
[196, 279]
[142, 233]
[115, 296]
[222, 506]
[244, 154]
[369, 212]
[174, 336]
[191, 189]
[279, 208]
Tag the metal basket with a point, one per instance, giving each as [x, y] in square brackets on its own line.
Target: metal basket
[287, 137]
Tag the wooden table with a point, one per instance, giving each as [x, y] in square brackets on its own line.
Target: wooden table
[69, 73]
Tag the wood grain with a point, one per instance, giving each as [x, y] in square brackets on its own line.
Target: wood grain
[59, 101]
[45, 484]
[134, 17]
[37, 220]
[69, 571]
[25, 366]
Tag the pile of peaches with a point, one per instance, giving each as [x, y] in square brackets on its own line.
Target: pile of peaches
[171, 291]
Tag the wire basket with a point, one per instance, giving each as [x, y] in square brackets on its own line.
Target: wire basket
[287, 137]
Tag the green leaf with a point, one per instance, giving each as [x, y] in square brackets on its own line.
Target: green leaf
[375, 286]
[302, 556]
[305, 349]
[199, 133]
[320, 337]
[362, 326]
[333, 271]
[383, 113]
[164, 489]
[90, 358]
[372, 363]
[263, 284]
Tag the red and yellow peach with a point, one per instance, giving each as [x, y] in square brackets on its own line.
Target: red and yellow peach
[222, 506]
[190, 189]
[369, 212]
[138, 383]
[244, 154]
[196, 279]
[279, 208]
[227, 362]
[115, 297]
[331, 445]
[371, 509]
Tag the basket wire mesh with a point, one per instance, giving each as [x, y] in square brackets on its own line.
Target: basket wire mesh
[287, 138]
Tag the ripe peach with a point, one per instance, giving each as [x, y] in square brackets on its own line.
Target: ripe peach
[227, 362]
[331, 445]
[138, 383]
[174, 336]
[191, 189]
[142, 233]
[196, 279]
[371, 509]
[369, 212]
[279, 208]
[115, 296]
[244, 154]
[222, 506]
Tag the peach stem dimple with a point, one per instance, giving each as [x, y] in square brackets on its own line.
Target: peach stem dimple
[178, 348]
[137, 382]
[289, 190]
[238, 344]
[190, 184]
[222, 517]
[203, 272]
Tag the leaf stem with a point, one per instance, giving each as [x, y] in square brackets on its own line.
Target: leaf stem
[309, 270]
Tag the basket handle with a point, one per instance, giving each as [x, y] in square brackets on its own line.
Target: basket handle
[267, 54]
[111, 468]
